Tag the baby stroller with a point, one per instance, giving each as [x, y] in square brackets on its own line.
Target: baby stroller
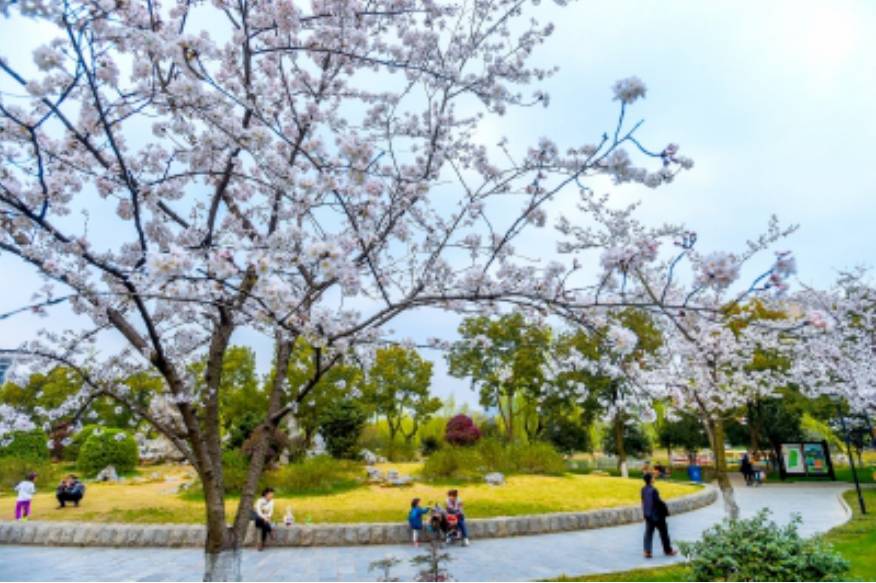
[444, 526]
[452, 533]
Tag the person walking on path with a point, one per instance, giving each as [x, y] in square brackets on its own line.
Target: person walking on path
[262, 513]
[747, 469]
[25, 490]
[655, 511]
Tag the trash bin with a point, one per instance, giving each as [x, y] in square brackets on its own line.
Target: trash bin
[695, 473]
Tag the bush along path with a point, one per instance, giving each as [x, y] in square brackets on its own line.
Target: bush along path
[524, 558]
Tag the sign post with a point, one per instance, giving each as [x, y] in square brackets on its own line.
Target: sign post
[852, 460]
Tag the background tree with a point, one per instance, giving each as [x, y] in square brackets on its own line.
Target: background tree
[684, 431]
[341, 425]
[633, 437]
[341, 381]
[604, 363]
[504, 358]
[568, 435]
[397, 387]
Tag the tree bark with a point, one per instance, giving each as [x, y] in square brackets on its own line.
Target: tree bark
[222, 553]
[619, 446]
[715, 430]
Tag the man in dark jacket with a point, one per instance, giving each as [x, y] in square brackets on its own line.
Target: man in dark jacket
[70, 490]
[655, 511]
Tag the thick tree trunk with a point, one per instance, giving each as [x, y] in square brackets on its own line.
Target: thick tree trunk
[715, 429]
[222, 552]
[619, 446]
[224, 565]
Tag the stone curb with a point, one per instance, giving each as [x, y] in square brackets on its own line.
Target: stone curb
[91, 534]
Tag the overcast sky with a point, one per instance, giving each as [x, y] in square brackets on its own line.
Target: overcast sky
[776, 103]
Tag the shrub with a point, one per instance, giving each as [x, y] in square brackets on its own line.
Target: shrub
[29, 445]
[491, 455]
[340, 426]
[457, 463]
[316, 475]
[496, 456]
[235, 465]
[757, 549]
[71, 451]
[429, 445]
[537, 458]
[14, 469]
[105, 447]
[461, 430]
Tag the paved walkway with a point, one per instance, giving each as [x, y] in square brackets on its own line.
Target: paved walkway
[508, 559]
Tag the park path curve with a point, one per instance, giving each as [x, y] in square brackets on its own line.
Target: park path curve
[524, 558]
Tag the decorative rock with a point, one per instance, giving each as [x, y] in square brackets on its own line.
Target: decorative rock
[108, 474]
[368, 456]
[495, 478]
[399, 480]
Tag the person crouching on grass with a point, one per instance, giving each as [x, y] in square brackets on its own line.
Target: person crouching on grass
[415, 520]
[261, 515]
[25, 490]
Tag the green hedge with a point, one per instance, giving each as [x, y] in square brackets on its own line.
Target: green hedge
[492, 455]
[107, 447]
[13, 470]
[71, 451]
[316, 475]
[31, 445]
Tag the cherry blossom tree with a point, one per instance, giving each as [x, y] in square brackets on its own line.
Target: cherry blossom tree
[179, 171]
[606, 364]
[836, 354]
[710, 334]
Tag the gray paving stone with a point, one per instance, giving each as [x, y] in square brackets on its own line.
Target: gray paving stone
[502, 559]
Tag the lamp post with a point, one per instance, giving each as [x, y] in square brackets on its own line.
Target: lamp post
[851, 458]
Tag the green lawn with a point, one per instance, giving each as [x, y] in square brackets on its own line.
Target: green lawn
[855, 540]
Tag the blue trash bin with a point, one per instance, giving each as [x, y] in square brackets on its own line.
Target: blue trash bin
[695, 473]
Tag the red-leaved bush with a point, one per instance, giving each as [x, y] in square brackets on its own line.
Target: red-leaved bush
[461, 430]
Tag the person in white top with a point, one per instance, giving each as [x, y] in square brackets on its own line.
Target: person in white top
[262, 513]
[25, 489]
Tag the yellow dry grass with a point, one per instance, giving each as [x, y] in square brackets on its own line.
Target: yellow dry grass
[154, 501]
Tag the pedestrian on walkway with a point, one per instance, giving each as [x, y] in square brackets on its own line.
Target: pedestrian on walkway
[261, 515]
[25, 490]
[747, 469]
[655, 511]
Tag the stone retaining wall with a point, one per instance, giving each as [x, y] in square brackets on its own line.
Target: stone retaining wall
[183, 535]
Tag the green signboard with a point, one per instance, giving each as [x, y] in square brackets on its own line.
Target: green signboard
[806, 459]
[815, 458]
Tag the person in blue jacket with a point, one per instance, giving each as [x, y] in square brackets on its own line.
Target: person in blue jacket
[415, 520]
